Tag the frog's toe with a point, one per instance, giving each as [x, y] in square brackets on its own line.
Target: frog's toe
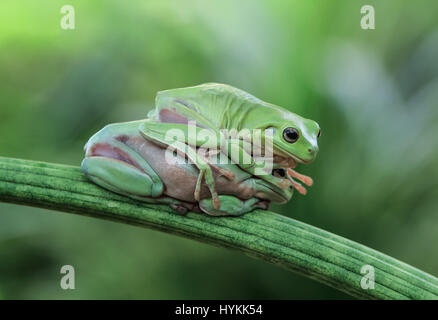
[216, 202]
[230, 206]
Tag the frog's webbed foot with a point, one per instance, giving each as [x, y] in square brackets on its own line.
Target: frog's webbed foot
[308, 181]
[232, 206]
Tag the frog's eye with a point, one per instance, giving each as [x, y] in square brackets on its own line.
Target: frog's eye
[290, 135]
[319, 133]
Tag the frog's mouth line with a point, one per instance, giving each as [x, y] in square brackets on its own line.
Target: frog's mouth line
[289, 158]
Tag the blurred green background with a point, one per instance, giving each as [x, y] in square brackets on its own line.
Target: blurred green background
[373, 92]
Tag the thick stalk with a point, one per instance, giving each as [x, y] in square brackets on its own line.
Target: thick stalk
[296, 246]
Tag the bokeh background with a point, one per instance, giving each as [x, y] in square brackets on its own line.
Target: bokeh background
[373, 92]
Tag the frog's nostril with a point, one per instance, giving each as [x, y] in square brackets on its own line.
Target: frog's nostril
[310, 150]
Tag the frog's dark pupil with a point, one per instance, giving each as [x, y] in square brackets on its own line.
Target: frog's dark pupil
[292, 135]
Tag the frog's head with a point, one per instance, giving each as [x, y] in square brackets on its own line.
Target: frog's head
[295, 137]
[294, 140]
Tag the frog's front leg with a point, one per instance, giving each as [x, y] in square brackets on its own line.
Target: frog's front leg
[232, 206]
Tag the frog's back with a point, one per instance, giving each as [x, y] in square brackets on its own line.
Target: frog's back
[222, 105]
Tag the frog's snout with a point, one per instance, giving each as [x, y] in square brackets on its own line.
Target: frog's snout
[313, 151]
[310, 155]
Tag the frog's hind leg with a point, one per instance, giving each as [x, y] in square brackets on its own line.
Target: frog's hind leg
[117, 166]
[125, 179]
[119, 176]
[232, 206]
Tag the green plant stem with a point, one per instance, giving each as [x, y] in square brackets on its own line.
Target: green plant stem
[294, 245]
